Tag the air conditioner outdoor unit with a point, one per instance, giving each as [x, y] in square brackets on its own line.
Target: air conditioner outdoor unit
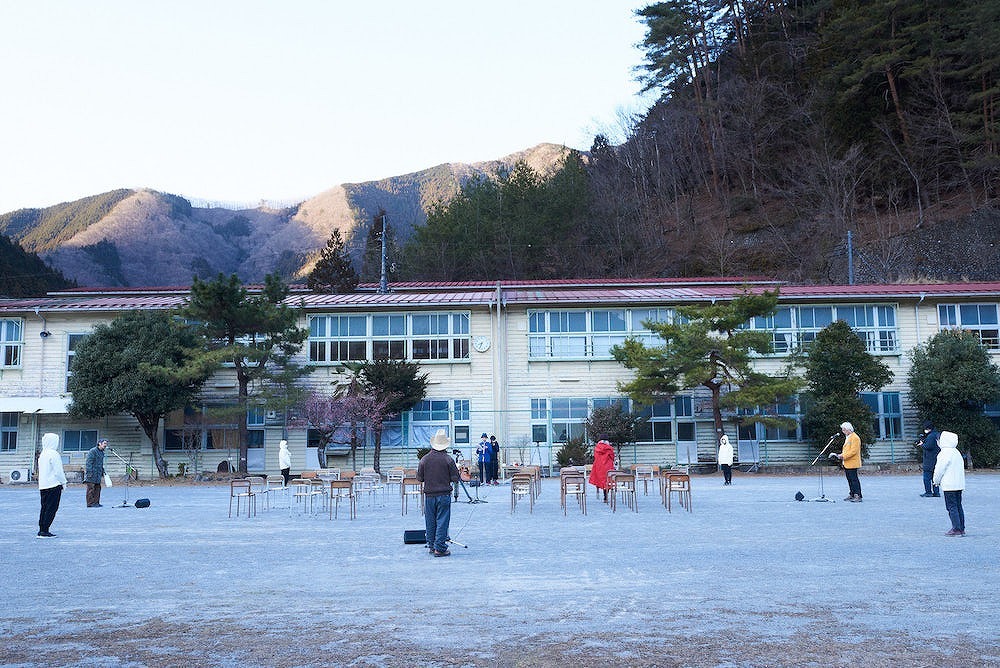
[18, 475]
[271, 415]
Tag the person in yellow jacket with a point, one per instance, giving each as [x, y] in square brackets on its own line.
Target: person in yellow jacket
[850, 457]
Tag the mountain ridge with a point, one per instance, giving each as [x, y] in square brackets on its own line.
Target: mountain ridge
[142, 237]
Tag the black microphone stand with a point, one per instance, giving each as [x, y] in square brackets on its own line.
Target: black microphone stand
[822, 494]
[128, 474]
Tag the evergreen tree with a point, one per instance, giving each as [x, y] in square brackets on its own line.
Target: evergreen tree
[257, 334]
[143, 363]
[838, 368]
[333, 271]
[706, 346]
[951, 379]
[396, 385]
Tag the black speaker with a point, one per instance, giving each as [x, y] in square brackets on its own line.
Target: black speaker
[415, 537]
[799, 496]
[142, 503]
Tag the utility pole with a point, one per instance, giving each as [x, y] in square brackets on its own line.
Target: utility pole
[850, 259]
[383, 283]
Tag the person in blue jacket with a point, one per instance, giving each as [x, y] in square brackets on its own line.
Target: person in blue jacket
[484, 454]
[929, 443]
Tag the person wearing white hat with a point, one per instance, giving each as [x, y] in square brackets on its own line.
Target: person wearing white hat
[437, 471]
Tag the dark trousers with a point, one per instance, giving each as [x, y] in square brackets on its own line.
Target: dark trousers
[93, 493]
[727, 473]
[287, 475]
[953, 503]
[50, 504]
[484, 472]
[853, 484]
[437, 518]
[929, 482]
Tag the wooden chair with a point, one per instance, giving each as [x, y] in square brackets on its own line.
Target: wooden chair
[522, 485]
[573, 484]
[275, 485]
[646, 473]
[623, 484]
[301, 493]
[680, 484]
[342, 490]
[239, 490]
[411, 488]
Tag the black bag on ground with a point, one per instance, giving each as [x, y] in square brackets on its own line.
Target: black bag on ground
[414, 537]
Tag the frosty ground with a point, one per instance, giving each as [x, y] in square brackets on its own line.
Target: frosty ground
[750, 578]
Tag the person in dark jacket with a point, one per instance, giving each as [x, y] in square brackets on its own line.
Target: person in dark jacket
[93, 473]
[929, 443]
[495, 448]
[437, 471]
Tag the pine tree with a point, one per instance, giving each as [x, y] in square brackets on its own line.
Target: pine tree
[333, 271]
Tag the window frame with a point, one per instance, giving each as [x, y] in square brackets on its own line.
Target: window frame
[11, 343]
[391, 335]
[8, 431]
[987, 333]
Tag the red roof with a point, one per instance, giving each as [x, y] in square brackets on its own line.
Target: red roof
[643, 291]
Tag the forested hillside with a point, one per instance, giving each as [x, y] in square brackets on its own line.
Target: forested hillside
[782, 126]
[24, 274]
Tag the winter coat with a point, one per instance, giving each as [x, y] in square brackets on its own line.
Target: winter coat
[949, 471]
[437, 470]
[284, 457]
[852, 451]
[485, 452]
[93, 468]
[931, 449]
[725, 452]
[50, 467]
[604, 461]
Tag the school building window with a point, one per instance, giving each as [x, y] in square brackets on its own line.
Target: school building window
[795, 327]
[212, 428]
[583, 334]
[395, 336]
[981, 319]
[79, 440]
[11, 342]
[887, 415]
[8, 431]
[72, 342]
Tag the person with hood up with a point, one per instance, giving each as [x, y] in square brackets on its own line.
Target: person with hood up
[929, 444]
[437, 471]
[604, 461]
[93, 473]
[949, 475]
[51, 480]
[726, 459]
[850, 457]
[284, 461]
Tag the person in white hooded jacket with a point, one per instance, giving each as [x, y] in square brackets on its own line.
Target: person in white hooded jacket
[51, 480]
[284, 460]
[949, 474]
[726, 459]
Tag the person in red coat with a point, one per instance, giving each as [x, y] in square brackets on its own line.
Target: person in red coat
[604, 461]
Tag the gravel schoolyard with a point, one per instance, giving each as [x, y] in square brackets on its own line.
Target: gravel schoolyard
[750, 578]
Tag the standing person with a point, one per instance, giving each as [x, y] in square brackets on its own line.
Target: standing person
[850, 457]
[604, 461]
[929, 444]
[93, 473]
[483, 457]
[495, 451]
[51, 480]
[437, 471]
[949, 475]
[284, 461]
[726, 459]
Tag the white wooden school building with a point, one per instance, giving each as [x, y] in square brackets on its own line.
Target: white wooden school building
[524, 360]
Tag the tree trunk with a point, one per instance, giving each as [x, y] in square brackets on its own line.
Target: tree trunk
[378, 450]
[243, 434]
[150, 426]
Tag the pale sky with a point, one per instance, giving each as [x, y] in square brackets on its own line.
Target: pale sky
[247, 100]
